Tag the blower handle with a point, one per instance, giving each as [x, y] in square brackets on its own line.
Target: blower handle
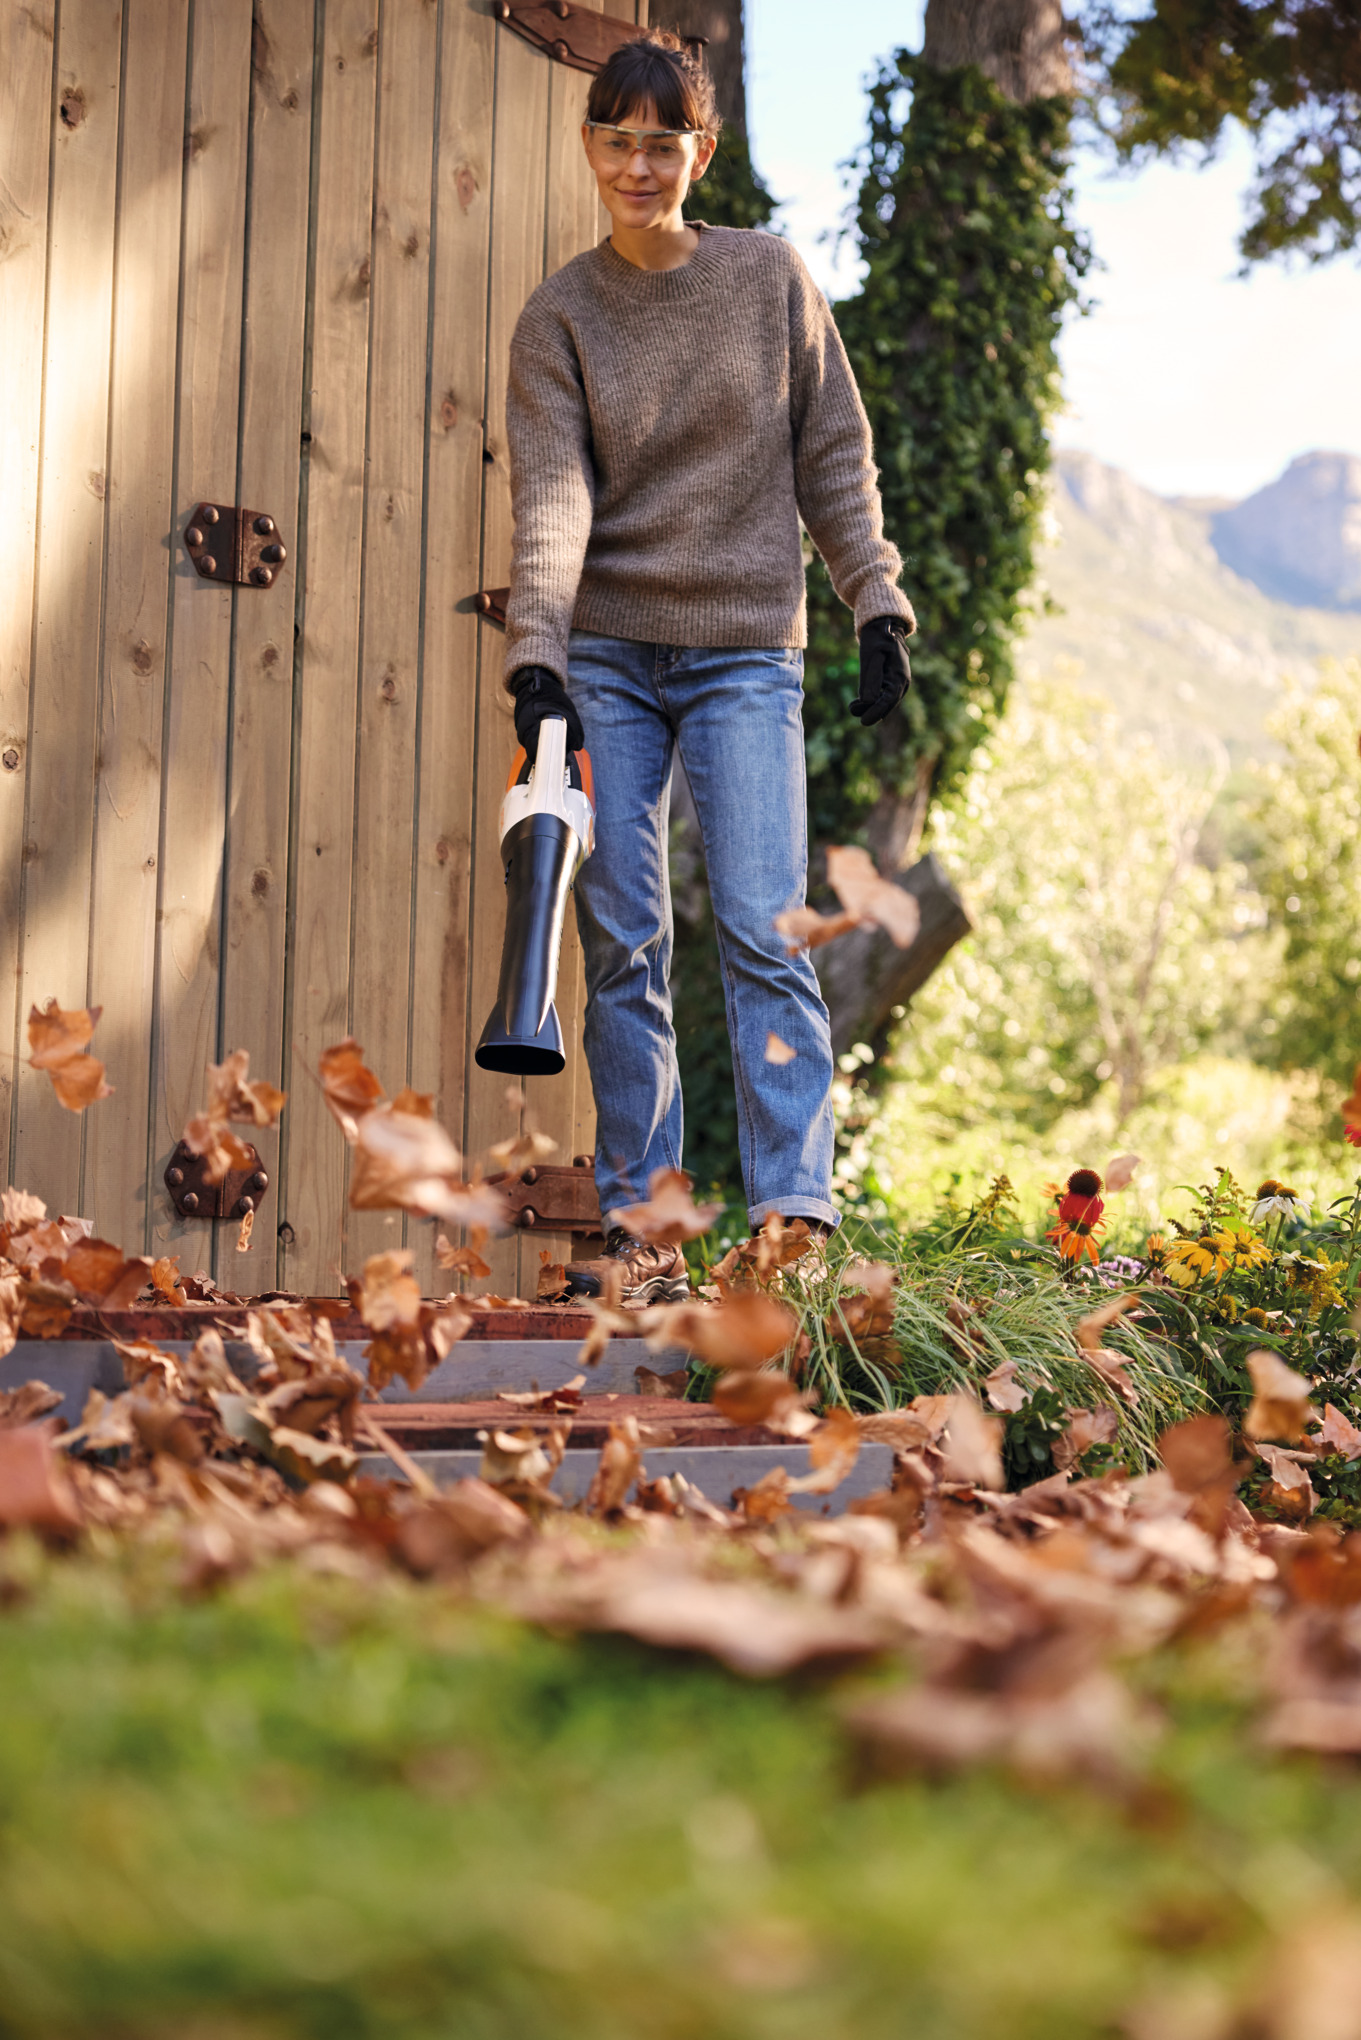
[551, 756]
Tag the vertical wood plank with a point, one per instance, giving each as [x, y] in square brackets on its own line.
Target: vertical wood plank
[253, 961]
[64, 705]
[519, 169]
[133, 666]
[390, 647]
[459, 254]
[570, 227]
[313, 1160]
[195, 735]
[27, 56]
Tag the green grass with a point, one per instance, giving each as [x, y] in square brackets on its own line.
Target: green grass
[314, 1807]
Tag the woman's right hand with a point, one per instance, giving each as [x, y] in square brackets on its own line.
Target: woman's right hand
[540, 694]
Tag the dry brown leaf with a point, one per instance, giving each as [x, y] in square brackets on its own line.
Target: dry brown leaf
[403, 1161]
[461, 1260]
[548, 1402]
[606, 1320]
[1120, 1172]
[621, 1462]
[552, 1278]
[58, 1041]
[348, 1086]
[220, 1148]
[146, 1366]
[520, 1152]
[768, 1500]
[779, 1052]
[1003, 1390]
[165, 1280]
[1338, 1434]
[389, 1293]
[806, 928]
[666, 1387]
[670, 1215]
[865, 1312]
[972, 1444]
[45, 1307]
[246, 1229]
[1291, 1489]
[745, 1330]
[329, 1394]
[233, 1095]
[832, 1453]
[775, 1247]
[19, 1210]
[750, 1396]
[871, 898]
[1084, 1429]
[99, 1273]
[1090, 1327]
[35, 1493]
[28, 1402]
[1280, 1405]
[1112, 1369]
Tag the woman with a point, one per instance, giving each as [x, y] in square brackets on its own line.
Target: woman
[678, 398]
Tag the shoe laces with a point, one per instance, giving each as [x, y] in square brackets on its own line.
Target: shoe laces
[618, 1243]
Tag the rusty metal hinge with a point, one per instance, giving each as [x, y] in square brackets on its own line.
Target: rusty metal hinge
[193, 1196]
[579, 36]
[554, 1199]
[229, 544]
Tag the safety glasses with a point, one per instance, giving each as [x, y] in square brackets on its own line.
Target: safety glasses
[662, 146]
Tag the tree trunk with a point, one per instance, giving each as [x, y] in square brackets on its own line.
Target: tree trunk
[721, 22]
[1019, 43]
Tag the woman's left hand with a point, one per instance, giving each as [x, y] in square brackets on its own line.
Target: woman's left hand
[885, 674]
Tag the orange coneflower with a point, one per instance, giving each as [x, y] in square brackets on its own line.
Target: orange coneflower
[1079, 1216]
[1351, 1111]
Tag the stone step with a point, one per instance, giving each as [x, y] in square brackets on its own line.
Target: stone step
[664, 1420]
[715, 1469]
[474, 1370]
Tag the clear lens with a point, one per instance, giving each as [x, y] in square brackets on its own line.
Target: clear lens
[617, 145]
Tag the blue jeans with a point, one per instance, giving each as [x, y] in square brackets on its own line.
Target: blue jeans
[736, 717]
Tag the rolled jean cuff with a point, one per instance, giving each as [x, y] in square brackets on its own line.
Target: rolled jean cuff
[794, 1207]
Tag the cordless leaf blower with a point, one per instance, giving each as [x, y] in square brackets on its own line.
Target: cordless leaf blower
[547, 829]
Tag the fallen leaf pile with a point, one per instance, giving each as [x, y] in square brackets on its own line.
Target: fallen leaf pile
[1013, 1617]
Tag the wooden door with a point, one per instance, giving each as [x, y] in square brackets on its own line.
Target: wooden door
[267, 254]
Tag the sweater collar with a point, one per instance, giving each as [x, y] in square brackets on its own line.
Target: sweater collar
[626, 282]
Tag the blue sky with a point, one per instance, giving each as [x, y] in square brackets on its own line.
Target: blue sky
[1197, 382]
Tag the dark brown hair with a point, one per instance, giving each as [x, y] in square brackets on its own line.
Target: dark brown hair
[656, 67]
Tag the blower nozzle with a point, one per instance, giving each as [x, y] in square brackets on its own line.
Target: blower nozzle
[547, 828]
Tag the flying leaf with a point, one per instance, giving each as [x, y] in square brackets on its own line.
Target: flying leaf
[758, 1397]
[27, 1403]
[971, 1443]
[832, 1453]
[865, 1312]
[1280, 1404]
[1084, 1429]
[402, 1161]
[389, 1293]
[232, 1096]
[220, 1148]
[779, 1052]
[806, 928]
[552, 1282]
[621, 1462]
[520, 1152]
[1090, 1327]
[58, 1041]
[19, 1210]
[1120, 1172]
[745, 1330]
[348, 1086]
[870, 898]
[99, 1273]
[1003, 1390]
[1338, 1434]
[670, 1214]
[461, 1260]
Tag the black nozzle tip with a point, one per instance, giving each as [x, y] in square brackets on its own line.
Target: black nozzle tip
[511, 1055]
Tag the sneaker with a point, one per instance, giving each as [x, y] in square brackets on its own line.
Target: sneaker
[634, 1272]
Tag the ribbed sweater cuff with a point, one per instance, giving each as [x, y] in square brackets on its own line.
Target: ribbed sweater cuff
[536, 651]
[882, 599]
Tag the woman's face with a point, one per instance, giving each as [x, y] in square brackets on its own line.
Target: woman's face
[644, 183]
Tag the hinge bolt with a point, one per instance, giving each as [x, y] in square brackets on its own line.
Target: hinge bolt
[193, 536]
[259, 1181]
[261, 576]
[174, 1177]
[190, 1200]
[275, 554]
[529, 1217]
[210, 513]
[207, 565]
[264, 525]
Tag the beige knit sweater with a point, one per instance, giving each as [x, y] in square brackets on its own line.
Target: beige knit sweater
[667, 430]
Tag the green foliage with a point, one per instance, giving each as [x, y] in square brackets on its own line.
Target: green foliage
[1284, 70]
[1307, 818]
[971, 260]
[306, 1808]
[730, 193]
[1103, 952]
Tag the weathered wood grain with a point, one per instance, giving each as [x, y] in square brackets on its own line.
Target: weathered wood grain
[64, 704]
[27, 56]
[141, 501]
[460, 250]
[390, 645]
[312, 1191]
[269, 471]
[195, 736]
[519, 172]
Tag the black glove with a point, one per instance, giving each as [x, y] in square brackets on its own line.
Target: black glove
[885, 674]
[538, 695]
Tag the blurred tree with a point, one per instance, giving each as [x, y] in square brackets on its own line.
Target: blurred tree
[1288, 71]
[1308, 818]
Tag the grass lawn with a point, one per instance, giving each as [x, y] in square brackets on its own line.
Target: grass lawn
[315, 1806]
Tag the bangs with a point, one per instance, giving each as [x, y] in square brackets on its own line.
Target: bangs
[646, 71]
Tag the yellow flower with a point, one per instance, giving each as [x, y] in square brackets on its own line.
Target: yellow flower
[1319, 1276]
[1248, 1250]
[1211, 1254]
